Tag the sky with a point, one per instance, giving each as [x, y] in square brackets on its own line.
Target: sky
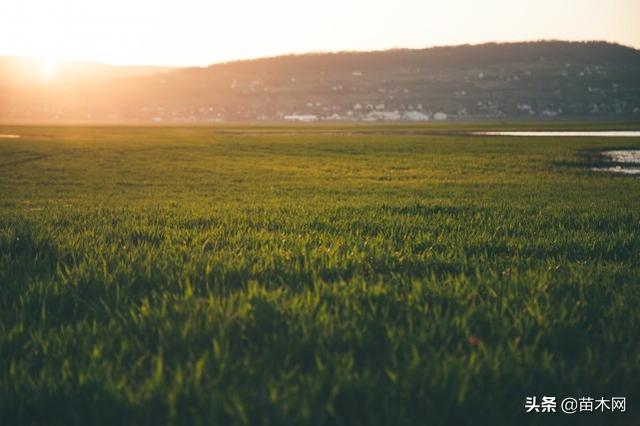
[201, 32]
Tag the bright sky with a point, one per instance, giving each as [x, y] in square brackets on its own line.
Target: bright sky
[200, 32]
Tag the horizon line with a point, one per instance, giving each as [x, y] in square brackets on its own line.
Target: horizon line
[310, 52]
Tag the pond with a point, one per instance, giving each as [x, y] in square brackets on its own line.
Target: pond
[625, 162]
[545, 133]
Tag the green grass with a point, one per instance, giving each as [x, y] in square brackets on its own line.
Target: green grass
[300, 276]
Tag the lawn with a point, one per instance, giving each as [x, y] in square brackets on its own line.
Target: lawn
[313, 276]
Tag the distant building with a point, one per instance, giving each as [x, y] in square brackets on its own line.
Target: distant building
[383, 115]
[301, 117]
[415, 116]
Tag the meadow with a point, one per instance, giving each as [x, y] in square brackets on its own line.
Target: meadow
[313, 276]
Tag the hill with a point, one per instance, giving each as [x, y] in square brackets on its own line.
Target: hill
[508, 80]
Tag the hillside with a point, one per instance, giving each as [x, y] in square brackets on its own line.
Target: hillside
[513, 80]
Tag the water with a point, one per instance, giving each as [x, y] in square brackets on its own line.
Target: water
[625, 162]
[603, 133]
[621, 162]
[632, 156]
[618, 169]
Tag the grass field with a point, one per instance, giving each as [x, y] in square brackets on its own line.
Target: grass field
[313, 276]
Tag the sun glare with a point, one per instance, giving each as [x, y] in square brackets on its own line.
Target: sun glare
[48, 68]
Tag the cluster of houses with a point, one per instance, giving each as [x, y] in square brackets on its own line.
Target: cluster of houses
[368, 113]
